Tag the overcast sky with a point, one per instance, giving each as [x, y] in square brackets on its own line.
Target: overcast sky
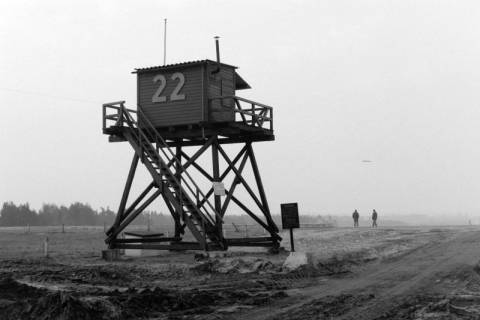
[394, 82]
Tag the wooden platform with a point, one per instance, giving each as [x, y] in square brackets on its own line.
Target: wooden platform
[195, 135]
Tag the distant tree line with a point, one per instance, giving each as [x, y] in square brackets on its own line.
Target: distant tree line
[82, 214]
[76, 214]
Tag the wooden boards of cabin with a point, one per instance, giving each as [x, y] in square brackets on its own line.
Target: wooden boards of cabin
[183, 94]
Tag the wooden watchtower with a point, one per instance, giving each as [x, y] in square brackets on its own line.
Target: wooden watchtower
[191, 105]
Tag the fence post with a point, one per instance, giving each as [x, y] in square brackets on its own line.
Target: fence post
[204, 236]
[63, 228]
[246, 231]
[45, 247]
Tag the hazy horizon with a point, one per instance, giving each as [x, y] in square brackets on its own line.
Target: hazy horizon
[393, 82]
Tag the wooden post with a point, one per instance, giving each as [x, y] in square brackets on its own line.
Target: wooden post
[204, 235]
[63, 228]
[261, 190]
[126, 191]
[45, 247]
[292, 246]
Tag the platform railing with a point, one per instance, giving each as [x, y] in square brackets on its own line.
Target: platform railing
[250, 112]
[117, 116]
[121, 116]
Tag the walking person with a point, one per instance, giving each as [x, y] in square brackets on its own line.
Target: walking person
[355, 217]
[374, 218]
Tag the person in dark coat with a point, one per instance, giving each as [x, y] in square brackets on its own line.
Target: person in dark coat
[355, 217]
[374, 218]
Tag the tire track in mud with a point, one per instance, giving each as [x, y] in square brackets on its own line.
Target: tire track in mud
[381, 287]
[419, 275]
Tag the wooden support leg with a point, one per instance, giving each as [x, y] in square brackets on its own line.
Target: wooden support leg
[216, 178]
[178, 173]
[261, 191]
[126, 191]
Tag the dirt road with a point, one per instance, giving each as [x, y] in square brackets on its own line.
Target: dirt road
[435, 281]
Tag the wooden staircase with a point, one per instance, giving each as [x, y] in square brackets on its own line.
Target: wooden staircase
[171, 180]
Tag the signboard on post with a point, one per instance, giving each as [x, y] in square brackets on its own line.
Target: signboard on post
[290, 219]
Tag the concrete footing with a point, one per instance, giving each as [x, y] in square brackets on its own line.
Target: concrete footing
[297, 260]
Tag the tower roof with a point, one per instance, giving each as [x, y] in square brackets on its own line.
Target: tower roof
[180, 64]
[240, 83]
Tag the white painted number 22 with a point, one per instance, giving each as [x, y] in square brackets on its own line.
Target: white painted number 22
[157, 97]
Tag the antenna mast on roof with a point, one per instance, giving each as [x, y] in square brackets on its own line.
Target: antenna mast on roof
[165, 42]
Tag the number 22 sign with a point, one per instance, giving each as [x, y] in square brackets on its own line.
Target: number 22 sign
[176, 95]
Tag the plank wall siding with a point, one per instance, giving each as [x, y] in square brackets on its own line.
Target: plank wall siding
[171, 113]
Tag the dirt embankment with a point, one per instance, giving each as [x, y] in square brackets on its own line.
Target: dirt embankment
[45, 289]
[23, 301]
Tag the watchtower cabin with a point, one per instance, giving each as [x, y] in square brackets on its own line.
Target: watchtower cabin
[195, 105]
[193, 99]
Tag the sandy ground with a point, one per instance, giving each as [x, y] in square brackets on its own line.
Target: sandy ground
[386, 273]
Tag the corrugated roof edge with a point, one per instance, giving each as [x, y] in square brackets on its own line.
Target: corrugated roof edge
[181, 64]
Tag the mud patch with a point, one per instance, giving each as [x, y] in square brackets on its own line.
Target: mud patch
[235, 265]
[100, 275]
[21, 301]
[436, 307]
[418, 306]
